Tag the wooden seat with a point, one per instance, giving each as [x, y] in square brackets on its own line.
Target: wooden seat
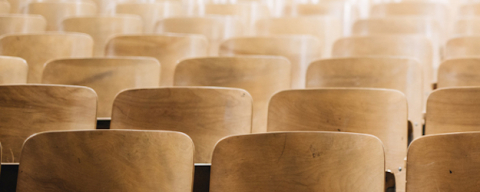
[344, 109]
[461, 47]
[29, 109]
[39, 48]
[56, 12]
[216, 29]
[247, 12]
[300, 50]
[107, 160]
[151, 12]
[298, 161]
[453, 110]
[212, 113]
[434, 10]
[102, 28]
[107, 76]
[22, 24]
[459, 72]
[262, 77]
[13, 70]
[445, 162]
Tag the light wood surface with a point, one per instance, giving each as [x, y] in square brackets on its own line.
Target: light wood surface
[434, 10]
[471, 9]
[467, 27]
[446, 162]
[453, 110]
[459, 72]
[298, 161]
[151, 12]
[402, 74]
[5, 7]
[102, 28]
[39, 48]
[212, 113]
[463, 46]
[247, 12]
[13, 70]
[56, 12]
[29, 109]
[168, 49]
[300, 50]
[344, 110]
[261, 76]
[16, 23]
[215, 28]
[107, 76]
[107, 160]
[323, 8]
[106, 7]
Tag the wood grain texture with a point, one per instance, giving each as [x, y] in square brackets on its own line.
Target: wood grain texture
[150, 12]
[379, 112]
[107, 160]
[16, 23]
[102, 28]
[435, 10]
[205, 114]
[446, 162]
[56, 12]
[261, 76]
[107, 76]
[459, 72]
[29, 109]
[298, 161]
[461, 47]
[300, 50]
[453, 110]
[13, 70]
[467, 27]
[215, 28]
[169, 49]
[39, 48]
[402, 74]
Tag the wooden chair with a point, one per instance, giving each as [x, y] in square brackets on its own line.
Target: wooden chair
[216, 29]
[453, 110]
[447, 162]
[22, 24]
[107, 160]
[344, 109]
[461, 47]
[467, 27]
[151, 12]
[323, 8]
[434, 10]
[5, 7]
[13, 70]
[469, 10]
[106, 7]
[247, 12]
[56, 12]
[107, 76]
[169, 49]
[298, 161]
[102, 28]
[262, 77]
[459, 72]
[29, 109]
[212, 113]
[300, 50]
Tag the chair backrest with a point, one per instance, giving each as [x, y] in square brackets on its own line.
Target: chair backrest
[13, 70]
[447, 162]
[215, 28]
[37, 49]
[459, 72]
[22, 24]
[469, 10]
[107, 160]
[453, 110]
[461, 47]
[262, 77]
[56, 12]
[168, 49]
[434, 10]
[102, 28]
[205, 114]
[402, 74]
[344, 109]
[29, 109]
[151, 12]
[247, 12]
[466, 27]
[300, 50]
[107, 76]
[298, 161]
[323, 8]
[5, 7]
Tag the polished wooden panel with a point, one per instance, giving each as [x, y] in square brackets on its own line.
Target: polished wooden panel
[212, 113]
[402, 74]
[465, 27]
[13, 70]
[300, 50]
[25, 23]
[56, 12]
[102, 28]
[347, 110]
[459, 72]
[298, 161]
[247, 12]
[169, 49]
[453, 110]
[37, 49]
[107, 76]
[151, 12]
[216, 29]
[461, 47]
[29, 109]
[446, 162]
[107, 160]
[434, 10]
[261, 76]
